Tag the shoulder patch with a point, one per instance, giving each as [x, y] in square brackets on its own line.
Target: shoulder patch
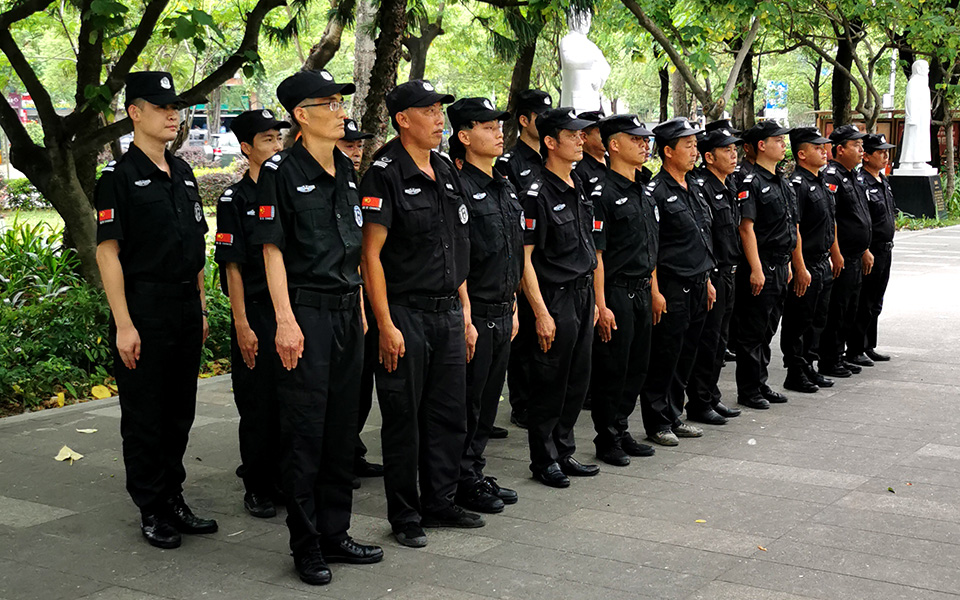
[748, 178]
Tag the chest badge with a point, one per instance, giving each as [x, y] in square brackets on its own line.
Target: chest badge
[524, 172]
[358, 216]
[480, 196]
[411, 191]
[559, 207]
[197, 212]
[672, 199]
[621, 201]
[306, 189]
[656, 213]
[449, 186]
[464, 214]
[142, 182]
[765, 190]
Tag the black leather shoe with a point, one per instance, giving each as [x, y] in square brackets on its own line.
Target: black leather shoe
[729, 356]
[797, 381]
[185, 521]
[837, 370]
[411, 535]
[725, 411]
[159, 532]
[519, 418]
[498, 433]
[572, 467]
[709, 416]
[614, 456]
[855, 369]
[859, 359]
[757, 402]
[362, 468]
[814, 376]
[351, 552]
[259, 505]
[506, 494]
[772, 397]
[312, 568]
[477, 497]
[453, 516]
[552, 476]
[876, 356]
[635, 448]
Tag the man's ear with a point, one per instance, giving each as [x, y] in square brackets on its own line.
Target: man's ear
[464, 136]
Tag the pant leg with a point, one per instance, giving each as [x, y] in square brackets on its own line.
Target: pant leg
[492, 391]
[522, 350]
[642, 317]
[757, 317]
[611, 367]
[697, 309]
[371, 357]
[811, 342]
[843, 302]
[777, 284]
[578, 379]
[874, 286]
[798, 315]
[705, 368]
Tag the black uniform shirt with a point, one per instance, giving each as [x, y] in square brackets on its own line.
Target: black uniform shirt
[559, 221]
[156, 218]
[767, 199]
[815, 212]
[686, 242]
[726, 217]
[883, 209]
[313, 217]
[496, 236]
[853, 217]
[522, 165]
[743, 168]
[626, 227]
[427, 251]
[590, 171]
[236, 220]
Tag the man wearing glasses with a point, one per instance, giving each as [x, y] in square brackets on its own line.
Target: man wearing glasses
[310, 229]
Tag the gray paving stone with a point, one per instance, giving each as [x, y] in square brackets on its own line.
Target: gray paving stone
[776, 472]
[721, 590]
[22, 513]
[120, 593]
[21, 581]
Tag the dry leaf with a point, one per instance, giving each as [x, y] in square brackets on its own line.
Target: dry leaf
[67, 454]
[100, 391]
[61, 398]
[86, 431]
[761, 548]
[700, 521]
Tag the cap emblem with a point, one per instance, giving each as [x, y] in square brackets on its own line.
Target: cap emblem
[427, 86]
[546, 101]
[165, 83]
[267, 114]
[326, 75]
[487, 104]
[571, 115]
[352, 126]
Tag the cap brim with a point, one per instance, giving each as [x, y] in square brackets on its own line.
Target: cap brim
[683, 134]
[167, 99]
[857, 136]
[353, 136]
[781, 131]
[638, 131]
[431, 99]
[880, 147]
[576, 125]
[819, 140]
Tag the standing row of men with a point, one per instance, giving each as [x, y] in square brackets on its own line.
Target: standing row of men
[562, 266]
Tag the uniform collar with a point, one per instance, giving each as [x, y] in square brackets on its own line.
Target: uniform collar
[247, 182]
[549, 177]
[873, 179]
[477, 176]
[668, 179]
[587, 158]
[618, 181]
[311, 168]
[146, 167]
[409, 169]
[525, 151]
[840, 168]
[806, 174]
[765, 174]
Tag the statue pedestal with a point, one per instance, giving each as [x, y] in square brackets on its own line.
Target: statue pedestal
[918, 195]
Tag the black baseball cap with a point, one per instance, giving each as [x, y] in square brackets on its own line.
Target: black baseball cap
[415, 93]
[352, 133]
[846, 133]
[310, 84]
[675, 128]
[469, 110]
[767, 128]
[615, 124]
[592, 115]
[722, 124]
[806, 135]
[156, 87]
[248, 124]
[533, 101]
[876, 141]
[717, 138]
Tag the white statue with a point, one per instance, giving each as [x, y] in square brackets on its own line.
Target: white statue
[915, 147]
[584, 68]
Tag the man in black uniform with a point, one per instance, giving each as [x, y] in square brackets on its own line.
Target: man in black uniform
[684, 264]
[854, 232]
[862, 344]
[351, 144]
[805, 309]
[522, 166]
[150, 250]
[416, 255]
[253, 326]
[496, 265]
[626, 237]
[719, 150]
[557, 279]
[591, 168]
[310, 220]
[768, 231]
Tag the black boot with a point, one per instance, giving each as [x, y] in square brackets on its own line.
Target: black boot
[798, 381]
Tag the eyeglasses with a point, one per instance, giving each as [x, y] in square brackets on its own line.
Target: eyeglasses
[334, 105]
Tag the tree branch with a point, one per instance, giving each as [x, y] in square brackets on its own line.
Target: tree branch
[89, 54]
[49, 118]
[505, 3]
[22, 11]
[748, 41]
[145, 29]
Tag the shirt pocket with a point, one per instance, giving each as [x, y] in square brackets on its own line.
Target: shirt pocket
[417, 217]
[312, 216]
[485, 223]
[564, 228]
[627, 215]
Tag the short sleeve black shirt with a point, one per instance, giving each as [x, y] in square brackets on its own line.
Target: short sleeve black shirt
[521, 165]
[767, 199]
[236, 220]
[726, 217]
[853, 216]
[743, 168]
[883, 209]
[590, 171]
[625, 227]
[686, 241]
[427, 251]
[815, 212]
[157, 219]
[313, 217]
[559, 225]
[496, 236]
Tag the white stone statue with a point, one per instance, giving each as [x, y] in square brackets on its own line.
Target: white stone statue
[584, 68]
[915, 147]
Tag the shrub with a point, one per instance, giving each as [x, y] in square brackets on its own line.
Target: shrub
[20, 194]
[34, 264]
[212, 182]
[195, 157]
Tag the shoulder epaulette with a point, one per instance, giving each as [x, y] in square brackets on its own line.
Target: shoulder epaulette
[382, 162]
[749, 177]
[274, 161]
[534, 189]
[109, 167]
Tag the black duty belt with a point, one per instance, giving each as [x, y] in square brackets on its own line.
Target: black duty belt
[631, 283]
[775, 258]
[724, 269]
[884, 247]
[489, 310]
[180, 289]
[816, 258]
[580, 283]
[428, 303]
[305, 297]
[697, 279]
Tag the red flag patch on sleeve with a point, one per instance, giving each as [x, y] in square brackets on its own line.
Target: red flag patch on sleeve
[105, 216]
[371, 203]
[832, 186]
[597, 226]
[225, 239]
[530, 224]
[266, 212]
[743, 195]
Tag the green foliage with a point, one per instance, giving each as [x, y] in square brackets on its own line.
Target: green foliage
[20, 194]
[35, 265]
[218, 307]
[212, 182]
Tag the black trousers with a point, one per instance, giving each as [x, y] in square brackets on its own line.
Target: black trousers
[620, 365]
[158, 398]
[560, 377]
[485, 377]
[758, 318]
[805, 316]
[318, 420]
[423, 403]
[864, 333]
[255, 393]
[522, 350]
[842, 314]
[673, 348]
[371, 358]
[702, 390]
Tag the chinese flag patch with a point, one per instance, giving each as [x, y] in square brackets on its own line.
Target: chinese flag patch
[105, 216]
[530, 224]
[371, 203]
[832, 186]
[598, 226]
[266, 212]
[225, 238]
[743, 195]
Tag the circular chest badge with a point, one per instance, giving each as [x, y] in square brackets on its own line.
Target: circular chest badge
[523, 222]
[197, 212]
[464, 214]
[358, 216]
[656, 213]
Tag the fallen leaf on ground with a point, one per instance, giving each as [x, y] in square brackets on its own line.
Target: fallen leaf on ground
[236, 533]
[86, 431]
[61, 398]
[67, 454]
[100, 391]
[890, 489]
[761, 548]
[700, 521]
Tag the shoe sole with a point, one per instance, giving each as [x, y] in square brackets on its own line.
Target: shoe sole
[261, 515]
[706, 422]
[670, 443]
[346, 560]
[753, 406]
[619, 463]
[801, 390]
[556, 485]
[192, 531]
[486, 511]
[687, 435]
[163, 545]
[316, 581]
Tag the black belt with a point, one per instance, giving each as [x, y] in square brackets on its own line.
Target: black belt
[777, 259]
[884, 247]
[580, 283]
[490, 310]
[726, 269]
[816, 258]
[304, 297]
[631, 283]
[180, 289]
[428, 303]
[697, 279]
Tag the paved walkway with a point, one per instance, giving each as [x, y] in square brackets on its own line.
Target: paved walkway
[790, 503]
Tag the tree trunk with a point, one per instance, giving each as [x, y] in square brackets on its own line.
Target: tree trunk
[519, 81]
[950, 165]
[841, 83]
[323, 51]
[744, 108]
[364, 54]
[664, 74]
[213, 111]
[815, 84]
[393, 22]
[681, 107]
